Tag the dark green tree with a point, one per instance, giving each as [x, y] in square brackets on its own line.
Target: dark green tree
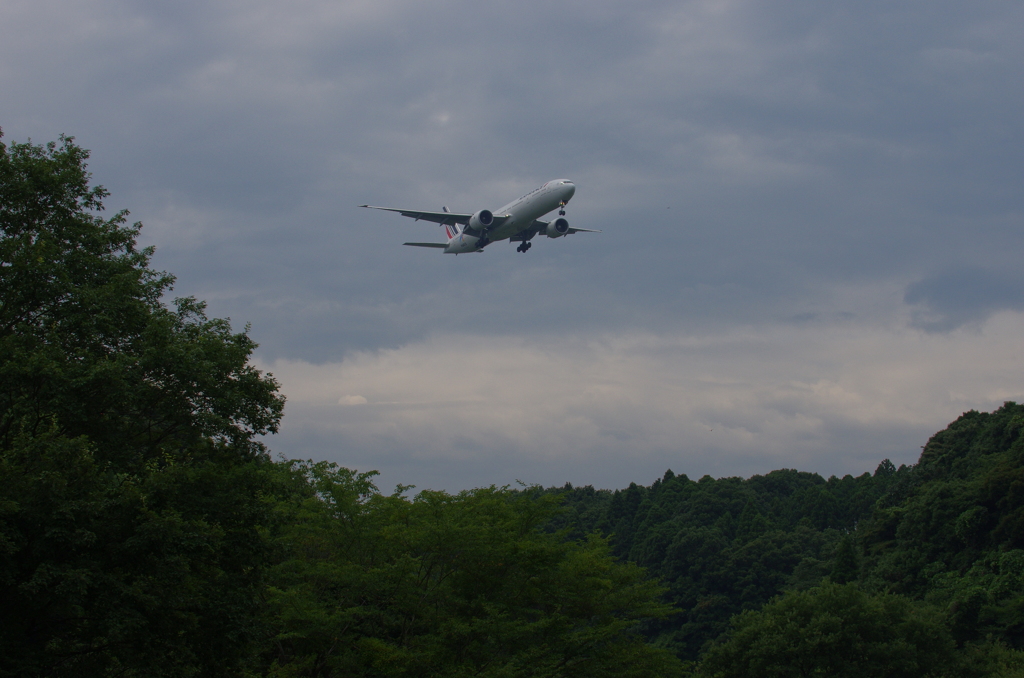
[835, 630]
[950, 532]
[846, 567]
[130, 472]
[727, 545]
[469, 584]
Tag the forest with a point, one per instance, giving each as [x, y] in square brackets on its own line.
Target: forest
[146, 529]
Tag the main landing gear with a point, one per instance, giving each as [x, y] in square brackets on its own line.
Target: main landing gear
[524, 246]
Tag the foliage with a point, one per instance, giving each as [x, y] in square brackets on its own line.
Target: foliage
[953, 536]
[944, 532]
[835, 630]
[84, 339]
[130, 475]
[453, 585]
[728, 545]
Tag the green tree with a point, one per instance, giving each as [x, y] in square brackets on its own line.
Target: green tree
[84, 338]
[950, 533]
[846, 567]
[130, 473]
[469, 584]
[835, 630]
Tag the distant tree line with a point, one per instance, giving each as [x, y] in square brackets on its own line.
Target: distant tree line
[728, 545]
[938, 544]
[145, 530]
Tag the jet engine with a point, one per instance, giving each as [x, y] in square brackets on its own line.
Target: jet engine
[557, 228]
[480, 221]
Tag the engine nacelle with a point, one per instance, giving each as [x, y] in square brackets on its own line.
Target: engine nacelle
[557, 228]
[480, 221]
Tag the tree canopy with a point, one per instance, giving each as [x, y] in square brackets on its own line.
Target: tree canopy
[943, 534]
[834, 630]
[448, 585]
[129, 470]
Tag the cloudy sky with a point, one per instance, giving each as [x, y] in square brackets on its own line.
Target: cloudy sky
[812, 216]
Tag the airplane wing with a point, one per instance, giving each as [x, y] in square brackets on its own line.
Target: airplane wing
[542, 225]
[438, 217]
[439, 245]
[539, 226]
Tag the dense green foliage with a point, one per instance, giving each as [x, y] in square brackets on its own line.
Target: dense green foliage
[953, 534]
[835, 630]
[728, 545]
[945, 535]
[129, 479]
[448, 585]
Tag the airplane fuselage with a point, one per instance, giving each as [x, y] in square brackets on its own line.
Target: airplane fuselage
[521, 214]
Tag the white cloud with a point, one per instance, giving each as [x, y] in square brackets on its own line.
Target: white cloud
[744, 401]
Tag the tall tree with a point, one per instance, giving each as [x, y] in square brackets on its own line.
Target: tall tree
[130, 473]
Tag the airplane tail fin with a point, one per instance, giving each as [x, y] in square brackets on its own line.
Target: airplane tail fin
[451, 230]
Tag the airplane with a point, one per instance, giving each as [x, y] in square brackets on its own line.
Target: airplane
[519, 221]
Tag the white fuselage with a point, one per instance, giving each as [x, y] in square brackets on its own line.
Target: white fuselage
[521, 214]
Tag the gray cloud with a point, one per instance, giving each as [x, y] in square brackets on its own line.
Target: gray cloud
[960, 296]
[821, 167]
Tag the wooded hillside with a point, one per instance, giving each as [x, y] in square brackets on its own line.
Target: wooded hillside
[945, 534]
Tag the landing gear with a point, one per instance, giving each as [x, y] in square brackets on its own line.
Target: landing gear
[561, 209]
[524, 246]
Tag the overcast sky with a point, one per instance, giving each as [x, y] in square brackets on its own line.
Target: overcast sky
[812, 216]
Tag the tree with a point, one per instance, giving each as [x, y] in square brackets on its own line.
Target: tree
[846, 567]
[835, 630]
[452, 585]
[130, 474]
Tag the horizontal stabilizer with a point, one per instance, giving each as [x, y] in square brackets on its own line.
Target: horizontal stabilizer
[438, 245]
